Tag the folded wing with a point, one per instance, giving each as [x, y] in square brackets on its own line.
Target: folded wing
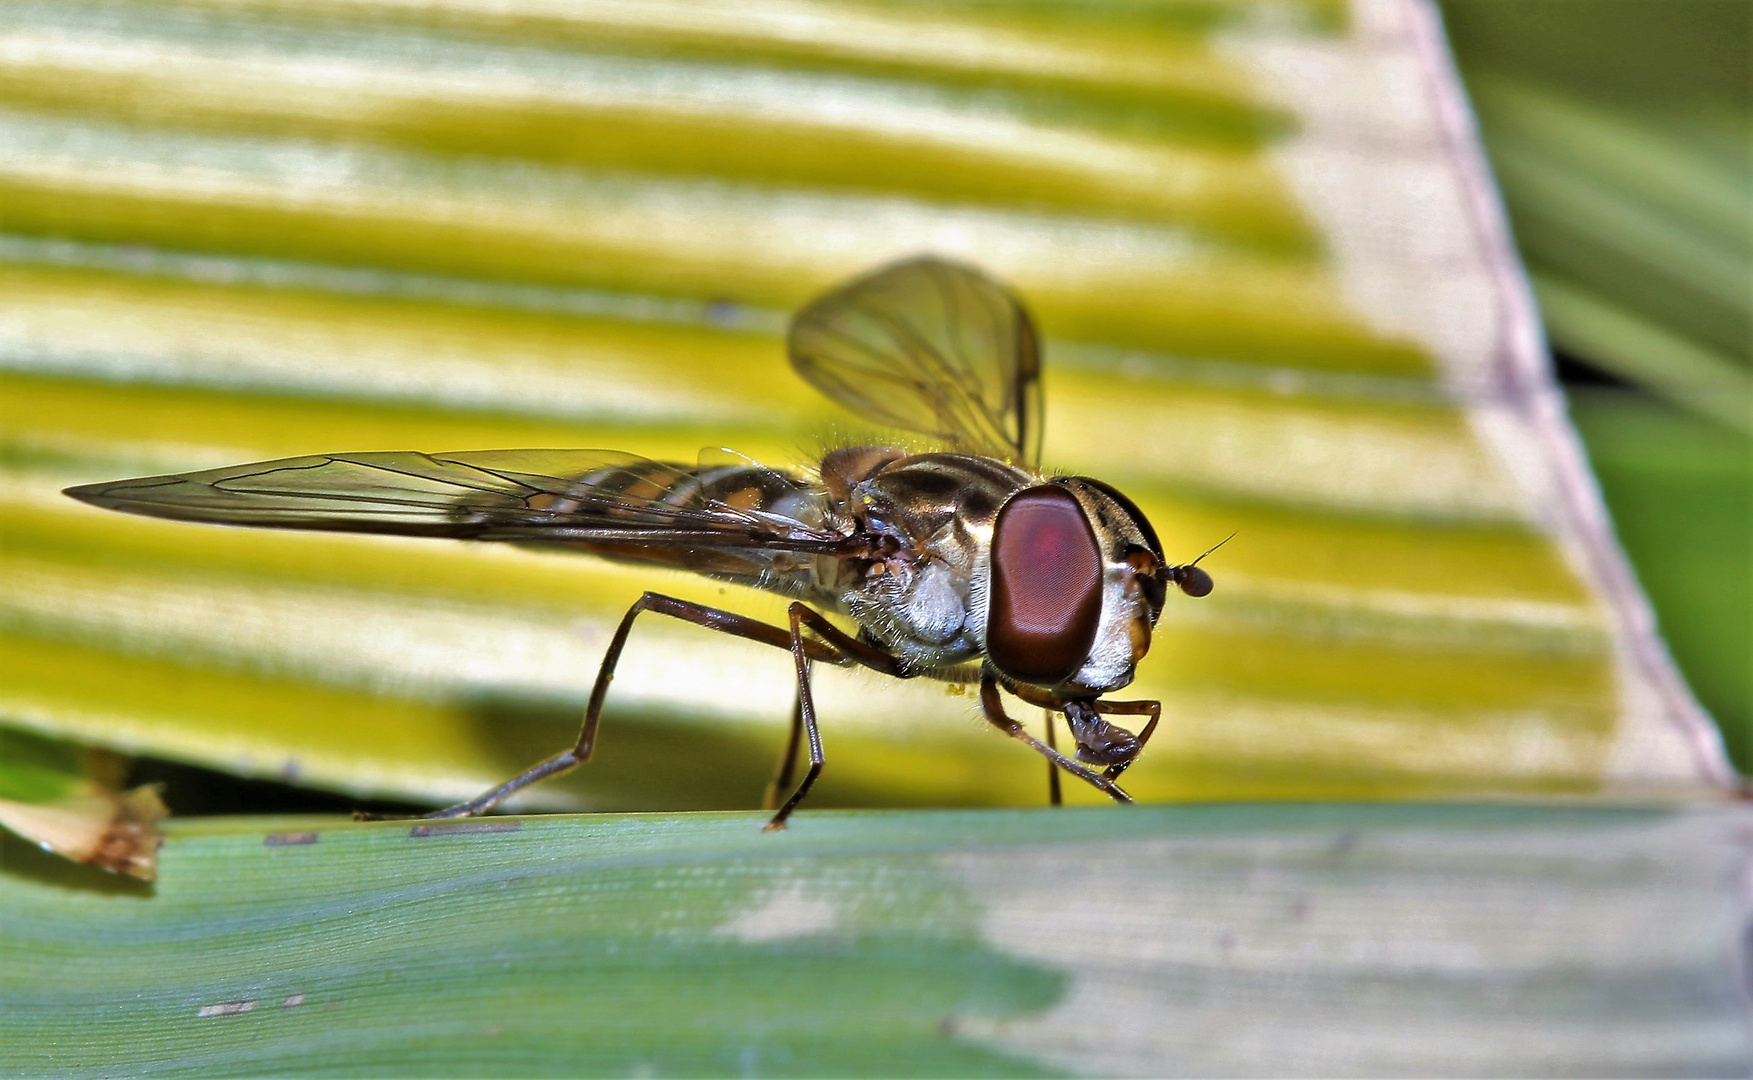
[584, 496]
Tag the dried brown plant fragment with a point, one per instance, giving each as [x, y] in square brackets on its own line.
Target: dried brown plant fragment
[115, 831]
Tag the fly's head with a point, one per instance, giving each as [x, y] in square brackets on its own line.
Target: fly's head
[1072, 586]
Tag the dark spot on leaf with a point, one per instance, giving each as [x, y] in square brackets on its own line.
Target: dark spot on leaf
[289, 839]
[449, 828]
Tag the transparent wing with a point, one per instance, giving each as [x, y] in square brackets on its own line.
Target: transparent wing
[929, 346]
[589, 496]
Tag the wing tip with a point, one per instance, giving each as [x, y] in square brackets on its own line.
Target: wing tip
[124, 495]
[93, 494]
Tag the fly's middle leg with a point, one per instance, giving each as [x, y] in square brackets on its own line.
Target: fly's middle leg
[580, 752]
[828, 644]
[788, 761]
[847, 649]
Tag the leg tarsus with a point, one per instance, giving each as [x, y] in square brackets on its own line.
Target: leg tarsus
[809, 777]
[565, 761]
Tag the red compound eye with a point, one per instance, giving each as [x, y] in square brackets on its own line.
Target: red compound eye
[1046, 597]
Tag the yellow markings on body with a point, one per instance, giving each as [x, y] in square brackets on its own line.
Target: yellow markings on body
[746, 499]
[644, 488]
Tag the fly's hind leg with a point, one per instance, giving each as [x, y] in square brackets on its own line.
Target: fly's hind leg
[711, 618]
[993, 707]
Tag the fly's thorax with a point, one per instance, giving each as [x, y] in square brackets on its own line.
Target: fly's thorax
[844, 468]
[930, 519]
[914, 498]
[1065, 595]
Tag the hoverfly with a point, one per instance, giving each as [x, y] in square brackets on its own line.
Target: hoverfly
[966, 564]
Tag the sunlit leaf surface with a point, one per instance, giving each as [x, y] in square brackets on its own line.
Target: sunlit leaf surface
[1276, 296]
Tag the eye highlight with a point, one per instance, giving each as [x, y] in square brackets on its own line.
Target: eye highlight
[1046, 592]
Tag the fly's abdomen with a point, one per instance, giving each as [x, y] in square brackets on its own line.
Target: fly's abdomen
[761, 490]
[665, 495]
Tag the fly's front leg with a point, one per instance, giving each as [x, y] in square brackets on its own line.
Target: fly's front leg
[712, 618]
[993, 706]
[1055, 797]
[1153, 709]
[1098, 741]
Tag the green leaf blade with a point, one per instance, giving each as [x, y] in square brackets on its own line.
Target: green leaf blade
[912, 943]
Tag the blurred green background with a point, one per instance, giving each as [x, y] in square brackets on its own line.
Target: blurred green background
[1621, 133]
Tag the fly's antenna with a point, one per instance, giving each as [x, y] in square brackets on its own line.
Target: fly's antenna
[1192, 580]
[1213, 548]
